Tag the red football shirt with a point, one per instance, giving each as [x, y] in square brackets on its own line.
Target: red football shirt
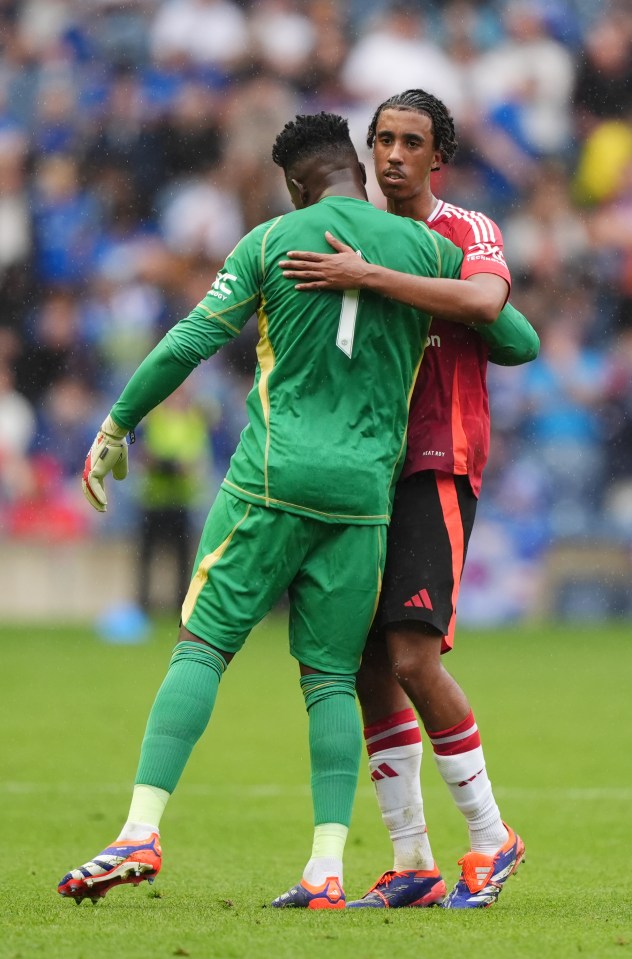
[448, 424]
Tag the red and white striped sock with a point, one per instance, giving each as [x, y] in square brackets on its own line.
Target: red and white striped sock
[395, 749]
[459, 757]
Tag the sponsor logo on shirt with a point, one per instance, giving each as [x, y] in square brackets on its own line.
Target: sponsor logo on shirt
[433, 340]
[220, 287]
[485, 251]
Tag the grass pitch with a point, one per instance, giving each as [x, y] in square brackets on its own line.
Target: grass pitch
[553, 707]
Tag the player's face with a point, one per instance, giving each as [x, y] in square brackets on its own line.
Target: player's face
[404, 153]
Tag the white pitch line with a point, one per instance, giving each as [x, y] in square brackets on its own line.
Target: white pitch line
[274, 791]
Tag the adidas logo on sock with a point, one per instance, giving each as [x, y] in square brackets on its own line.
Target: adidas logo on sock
[383, 771]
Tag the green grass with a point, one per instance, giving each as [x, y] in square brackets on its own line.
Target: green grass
[553, 706]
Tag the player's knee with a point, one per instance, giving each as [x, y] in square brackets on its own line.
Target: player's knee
[405, 666]
[417, 661]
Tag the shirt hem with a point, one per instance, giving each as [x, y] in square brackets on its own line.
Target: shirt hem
[351, 519]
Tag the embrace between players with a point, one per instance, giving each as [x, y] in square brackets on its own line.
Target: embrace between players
[309, 492]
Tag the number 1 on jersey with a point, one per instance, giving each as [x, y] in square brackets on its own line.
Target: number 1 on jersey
[348, 317]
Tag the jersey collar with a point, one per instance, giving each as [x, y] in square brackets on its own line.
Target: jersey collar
[436, 212]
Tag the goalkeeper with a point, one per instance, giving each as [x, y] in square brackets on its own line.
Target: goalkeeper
[307, 497]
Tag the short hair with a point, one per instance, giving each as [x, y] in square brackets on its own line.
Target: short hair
[442, 122]
[321, 134]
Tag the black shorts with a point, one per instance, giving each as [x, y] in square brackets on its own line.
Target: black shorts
[433, 516]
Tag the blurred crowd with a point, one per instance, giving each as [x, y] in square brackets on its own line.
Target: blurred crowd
[135, 141]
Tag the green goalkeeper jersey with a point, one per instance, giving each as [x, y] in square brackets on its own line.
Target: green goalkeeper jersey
[328, 410]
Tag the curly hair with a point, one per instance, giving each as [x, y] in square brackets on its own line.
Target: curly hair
[323, 134]
[442, 122]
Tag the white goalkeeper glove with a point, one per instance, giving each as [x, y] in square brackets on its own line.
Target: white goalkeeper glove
[108, 454]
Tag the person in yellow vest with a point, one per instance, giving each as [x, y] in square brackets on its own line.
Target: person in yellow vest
[177, 457]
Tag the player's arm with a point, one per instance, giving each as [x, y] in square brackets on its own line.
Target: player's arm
[194, 339]
[470, 302]
[217, 319]
[511, 338]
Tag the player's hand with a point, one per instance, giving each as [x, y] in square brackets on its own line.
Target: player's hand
[108, 454]
[343, 270]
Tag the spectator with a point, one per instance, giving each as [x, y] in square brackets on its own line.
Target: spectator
[564, 391]
[526, 81]
[17, 431]
[618, 416]
[603, 86]
[66, 222]
[396, 53]
[206, 33]
[546, 237]
[57, 120]
[118, 33]
[56, 347]
[321, 81]
[15, 220]
[282, 38]
[256, 106]
[65, 423]
[127, 304]
[611, 234]
[521, 90]
[203, 216]
[176, 461]
[189, 137]
[16, 232]
[603, 158]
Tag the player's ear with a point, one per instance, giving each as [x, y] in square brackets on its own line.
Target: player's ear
[298, 193]
[436, 161]
[362, 171]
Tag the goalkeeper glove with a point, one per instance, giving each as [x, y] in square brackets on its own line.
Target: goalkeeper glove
[108, 454]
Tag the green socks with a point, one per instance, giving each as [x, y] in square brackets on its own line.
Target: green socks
[183, 707]
[180, 714]
[335, 744]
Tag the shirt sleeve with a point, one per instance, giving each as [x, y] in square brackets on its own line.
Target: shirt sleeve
[511, 338]
[482, 244]
[160, 373]
[218, 318]
[226, 308]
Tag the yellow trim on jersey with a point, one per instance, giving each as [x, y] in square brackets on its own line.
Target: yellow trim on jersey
[379, 573]
[218, 315]
[383, 518]
[201, 574]
[265, 358]
[263, 244]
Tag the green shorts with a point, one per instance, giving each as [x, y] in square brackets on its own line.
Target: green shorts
[249, 555]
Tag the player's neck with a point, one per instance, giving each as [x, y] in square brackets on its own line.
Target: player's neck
[418, 207]
[348, 188]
